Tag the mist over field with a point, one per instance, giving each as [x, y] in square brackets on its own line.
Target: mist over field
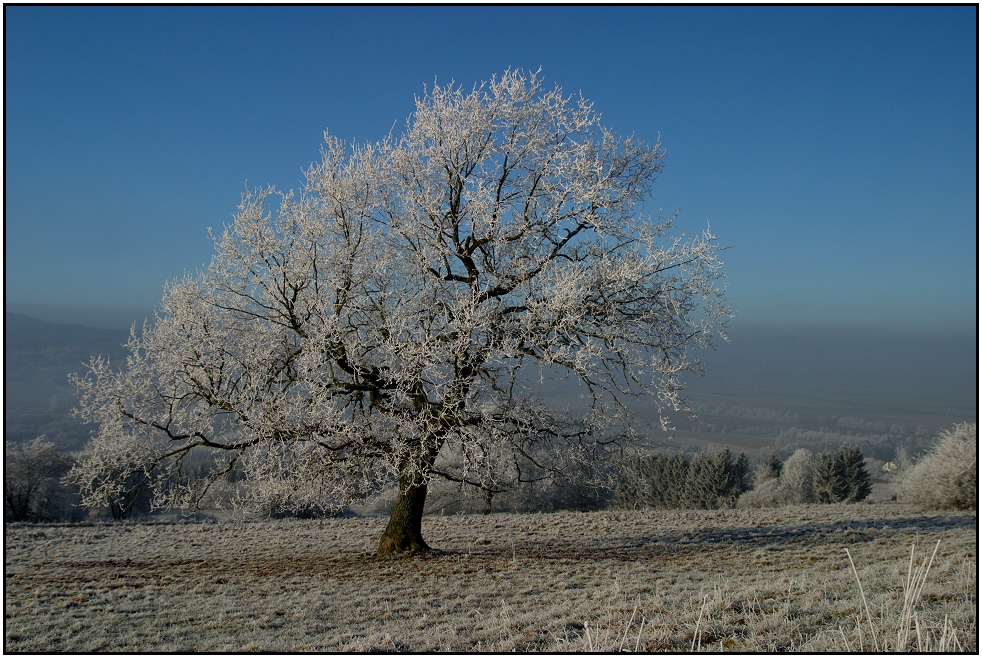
[869, 370]
[768, 388]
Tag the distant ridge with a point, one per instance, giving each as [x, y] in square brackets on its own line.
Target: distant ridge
[25, 331]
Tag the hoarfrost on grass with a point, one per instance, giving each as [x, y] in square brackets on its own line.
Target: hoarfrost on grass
[718, 580]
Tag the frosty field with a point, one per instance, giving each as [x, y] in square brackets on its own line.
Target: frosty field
[740, 580]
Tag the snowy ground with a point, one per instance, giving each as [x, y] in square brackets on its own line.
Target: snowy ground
[741, 580]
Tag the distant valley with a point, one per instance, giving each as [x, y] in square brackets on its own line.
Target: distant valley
[767, 389]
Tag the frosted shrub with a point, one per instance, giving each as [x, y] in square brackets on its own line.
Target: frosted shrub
[797, 477]
[793, 486]
[766, 493]
[947, 477]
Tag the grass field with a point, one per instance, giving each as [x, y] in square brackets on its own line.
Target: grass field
[740, 580]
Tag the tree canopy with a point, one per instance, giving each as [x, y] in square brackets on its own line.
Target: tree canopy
[390, 322]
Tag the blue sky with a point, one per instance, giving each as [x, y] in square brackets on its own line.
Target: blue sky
[833, 148]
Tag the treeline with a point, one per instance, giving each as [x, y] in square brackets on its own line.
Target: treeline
[33, 486]
[878, 439]
[829, 477]
[674, 481]
[946, 477]
[36, 488]
[721, 480]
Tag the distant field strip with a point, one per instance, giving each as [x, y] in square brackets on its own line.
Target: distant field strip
[740, 580]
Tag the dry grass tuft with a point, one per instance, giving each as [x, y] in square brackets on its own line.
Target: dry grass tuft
[907, 632]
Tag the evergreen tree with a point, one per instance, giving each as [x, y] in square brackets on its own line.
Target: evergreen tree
[745, 477]
[708, 481]
[858, 483]
[656, 481]
[717, 480]
[828, 479]
[634, 477]
[773, 466]
[700, 489]
[842, 477]
[669, 481]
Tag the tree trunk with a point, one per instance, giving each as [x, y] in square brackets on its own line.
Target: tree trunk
[403, 534]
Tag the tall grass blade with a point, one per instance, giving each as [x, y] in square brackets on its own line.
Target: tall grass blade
[876, 646]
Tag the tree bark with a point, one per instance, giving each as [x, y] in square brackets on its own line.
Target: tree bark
[404, 534]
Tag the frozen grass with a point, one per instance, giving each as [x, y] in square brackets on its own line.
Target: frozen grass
[733, 580]
[903, 631]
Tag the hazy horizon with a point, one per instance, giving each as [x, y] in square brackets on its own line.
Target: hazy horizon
[98, 316]
[766, 383]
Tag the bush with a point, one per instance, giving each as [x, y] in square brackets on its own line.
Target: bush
[766, 493]
[947, 477]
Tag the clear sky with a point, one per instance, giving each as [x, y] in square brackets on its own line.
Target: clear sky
[833, 148]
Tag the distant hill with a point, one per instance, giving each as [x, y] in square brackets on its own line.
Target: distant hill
[38, 357]
[23, 333]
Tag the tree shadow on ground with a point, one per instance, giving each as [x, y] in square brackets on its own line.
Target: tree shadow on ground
[766, 537]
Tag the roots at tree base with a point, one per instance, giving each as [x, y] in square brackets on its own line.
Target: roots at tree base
[403, 534]
[390, 545]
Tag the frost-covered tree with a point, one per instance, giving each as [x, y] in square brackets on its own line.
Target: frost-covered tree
[391, 321]
[797, 477]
